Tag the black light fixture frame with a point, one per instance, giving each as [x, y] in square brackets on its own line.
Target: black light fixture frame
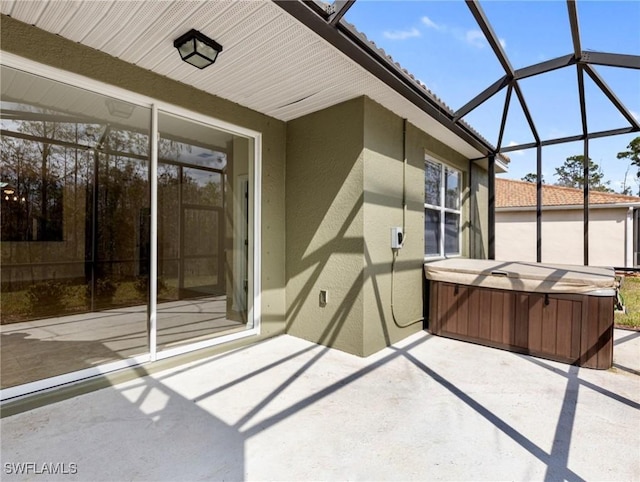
[191, 36]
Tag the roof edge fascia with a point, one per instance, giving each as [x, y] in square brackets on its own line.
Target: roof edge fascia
[570, 207]
[349, 44]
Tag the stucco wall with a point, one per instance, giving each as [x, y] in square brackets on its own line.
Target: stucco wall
[383, 190]
[562, 236]
[344, 194]
[383, 186]
[478, 198]
[325, 226]
[32, 43]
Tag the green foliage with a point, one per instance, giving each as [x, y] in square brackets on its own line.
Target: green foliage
[105, 288]
[631, 294]
[141, 285]
[633, 153]
[571, 174]
[46, 298]
[532, 177]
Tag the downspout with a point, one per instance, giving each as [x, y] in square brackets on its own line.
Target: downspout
[492, 207]
[628, 241]
[404, 230]
[471, 200]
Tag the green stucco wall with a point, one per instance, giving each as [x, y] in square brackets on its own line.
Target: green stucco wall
[478, 213]
[344, 194]
[383, 192]
[38, 45]
[325, 226]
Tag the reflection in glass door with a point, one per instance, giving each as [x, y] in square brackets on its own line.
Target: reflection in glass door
[202, 232]
[74, 229]
[82, 230]
[202, 252]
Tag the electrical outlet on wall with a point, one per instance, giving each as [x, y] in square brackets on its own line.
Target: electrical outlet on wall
[324, 297]
[397, 238]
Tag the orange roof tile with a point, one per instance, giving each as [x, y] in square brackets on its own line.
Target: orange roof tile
[511, 193]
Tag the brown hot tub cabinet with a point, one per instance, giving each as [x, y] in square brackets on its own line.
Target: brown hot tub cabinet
[563, 313]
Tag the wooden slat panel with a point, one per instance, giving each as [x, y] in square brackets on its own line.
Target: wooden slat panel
[578, 307]
[474, 308]
[509, 317]
[571, 328]
[446, 297]
[605, 330]
[497, 315]
[463, 309]
[588, 356]
[521, 333]
[484, 316]
[434, 299]
[564, 323]
[452, 314]
[536, 305]
[447, 315]
[437, 306]
[442, 298]
[549, 326]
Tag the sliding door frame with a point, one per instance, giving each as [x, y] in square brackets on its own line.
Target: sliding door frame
[254, 262]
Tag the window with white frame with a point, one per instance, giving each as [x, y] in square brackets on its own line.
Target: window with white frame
[441, 209]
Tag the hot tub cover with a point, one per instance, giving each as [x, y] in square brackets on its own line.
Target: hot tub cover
[522, 276]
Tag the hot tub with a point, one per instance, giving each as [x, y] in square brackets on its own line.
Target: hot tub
[559, 312]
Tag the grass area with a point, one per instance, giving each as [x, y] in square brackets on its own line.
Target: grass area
[631, 294]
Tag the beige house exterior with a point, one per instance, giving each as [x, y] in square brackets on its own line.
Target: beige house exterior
[612, 225]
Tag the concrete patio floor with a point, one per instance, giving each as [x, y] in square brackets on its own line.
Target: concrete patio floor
[428, 408]
[37, 349]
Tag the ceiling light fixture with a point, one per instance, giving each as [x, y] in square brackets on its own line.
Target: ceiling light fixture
[197, 49]
[120, 109]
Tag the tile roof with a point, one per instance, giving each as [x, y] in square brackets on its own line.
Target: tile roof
[511, 193]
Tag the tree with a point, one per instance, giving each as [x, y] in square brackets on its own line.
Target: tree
[626, 189]
[532, 177]
[571, 174]
[633, 154]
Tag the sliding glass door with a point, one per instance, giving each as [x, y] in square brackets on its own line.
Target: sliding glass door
[201, 232]
[75, 228]
[86, 238]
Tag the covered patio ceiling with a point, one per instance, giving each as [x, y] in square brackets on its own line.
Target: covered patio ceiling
[271, 62]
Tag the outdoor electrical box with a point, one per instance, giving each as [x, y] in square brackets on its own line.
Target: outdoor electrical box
[397, 237]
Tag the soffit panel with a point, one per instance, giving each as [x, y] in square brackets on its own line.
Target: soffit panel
[89, 15]
[53, 19]
[110, 25]
[271, 63]
[19, 10]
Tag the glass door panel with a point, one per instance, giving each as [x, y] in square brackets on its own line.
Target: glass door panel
[202, 246]
[203, 235]
[74, 229]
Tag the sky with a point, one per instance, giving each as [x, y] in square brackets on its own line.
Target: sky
[439, 42]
